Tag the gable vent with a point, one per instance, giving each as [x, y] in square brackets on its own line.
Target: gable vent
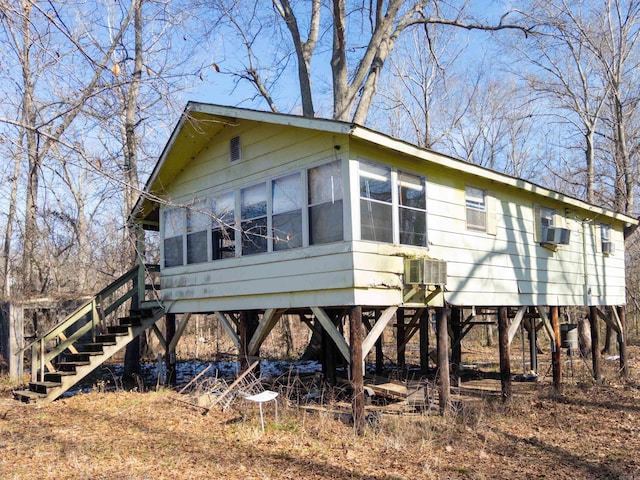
[234, 149]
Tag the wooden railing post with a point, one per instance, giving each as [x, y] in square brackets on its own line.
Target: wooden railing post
[140, 247]
[42, 360]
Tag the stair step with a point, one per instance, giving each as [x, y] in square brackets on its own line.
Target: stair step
[131, 321]
[56, 376]
[28, 396]
[70, 366]
[42, 387]
[78, 357]
[91, 348]
[105, 339]
[118, 329]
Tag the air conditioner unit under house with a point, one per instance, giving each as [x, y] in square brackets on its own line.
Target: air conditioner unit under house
[425, 271]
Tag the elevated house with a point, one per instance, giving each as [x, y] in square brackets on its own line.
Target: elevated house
[262, 214]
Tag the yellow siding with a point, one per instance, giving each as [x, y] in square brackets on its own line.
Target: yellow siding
[507, 268]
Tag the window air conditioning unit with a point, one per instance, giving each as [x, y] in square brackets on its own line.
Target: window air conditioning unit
[556, 236]
[608, 248]
[425, 271]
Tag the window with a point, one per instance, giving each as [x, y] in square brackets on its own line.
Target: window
[546, 221]
[606, 240]
[223, 231]
[325, 203]
[376, 207]
[197, 227]
[286, 206]
[412, 209]
[476, 209]
[253, 213]
[173, 231]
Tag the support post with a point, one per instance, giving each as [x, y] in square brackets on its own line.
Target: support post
[379, 355]
[595, 347]
[556, 351]
[248, 324]
[357, 367]
[505, 353]
[329, 354]
[456, 345]
[622, 341]
[400, 335]
[442, 341]
[424, 341]
[170, 354]
[533, 345]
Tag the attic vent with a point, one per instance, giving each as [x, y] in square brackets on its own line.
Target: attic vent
[234, 149]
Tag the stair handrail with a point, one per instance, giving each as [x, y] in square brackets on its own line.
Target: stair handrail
[90, 306]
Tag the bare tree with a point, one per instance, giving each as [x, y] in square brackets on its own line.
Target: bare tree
[29, 31]
[364, 35]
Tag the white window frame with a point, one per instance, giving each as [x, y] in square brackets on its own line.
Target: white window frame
[394, 175]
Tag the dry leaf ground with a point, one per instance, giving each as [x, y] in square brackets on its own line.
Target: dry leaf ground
[587, 432]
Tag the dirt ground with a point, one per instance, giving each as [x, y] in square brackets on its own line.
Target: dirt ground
[587, 431]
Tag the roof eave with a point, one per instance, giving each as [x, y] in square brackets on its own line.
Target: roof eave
[371, 136]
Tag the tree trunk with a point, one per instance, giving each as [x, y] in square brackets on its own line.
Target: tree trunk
[584, 337]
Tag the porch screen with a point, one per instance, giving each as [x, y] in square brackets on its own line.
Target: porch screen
[412, 209]
[197, 227]
[325, 203]
[173, 232]
[287, 212]
[223, 231]
[376, 208]
[253, 212]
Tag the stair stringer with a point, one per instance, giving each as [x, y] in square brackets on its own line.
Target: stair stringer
[96, 360]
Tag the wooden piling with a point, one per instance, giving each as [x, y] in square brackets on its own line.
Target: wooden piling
[442, 341]
[357, 368]
[424, 341]
[595, 347]
[400, 337]
[556, 351]
[247, 326]
[622, 341]
[505, 355]
[456, 345]
[170, 356]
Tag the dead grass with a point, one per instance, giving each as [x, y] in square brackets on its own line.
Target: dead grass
[587, 431]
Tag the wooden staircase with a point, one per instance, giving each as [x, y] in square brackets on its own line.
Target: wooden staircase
[83, 341]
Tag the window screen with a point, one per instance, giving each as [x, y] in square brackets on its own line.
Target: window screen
[476, 208]
[197, 226]
[376, 209]
[287, 212]
[325, 203]
[173, 232]
[223, 226]
[253, 213]
[412, 209]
